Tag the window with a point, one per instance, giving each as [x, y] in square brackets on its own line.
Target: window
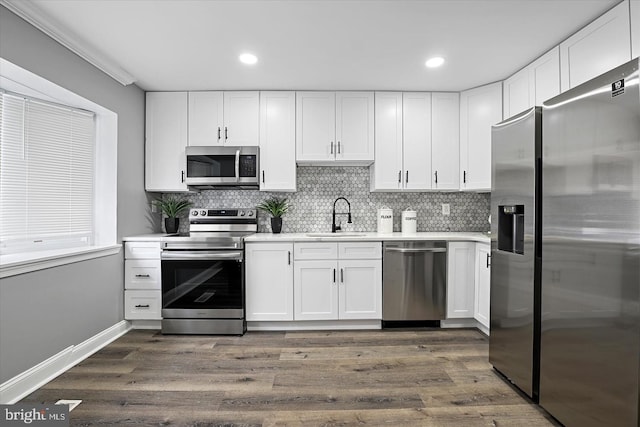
[47, 167]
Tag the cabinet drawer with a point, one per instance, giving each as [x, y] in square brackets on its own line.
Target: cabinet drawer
[315, 250]
[142, 274]
[142, 305]
[360, 250]
[142, 250]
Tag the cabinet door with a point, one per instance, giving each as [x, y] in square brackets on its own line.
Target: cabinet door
[517, 93]
[206, 121]
[360, 289]
[597, 48]
[460, 280]
[416, 140]
[483, 283]
[278, 141]
[269, 281]
[315, 290]
[445, 141]
[635, 28]
[142, 274]
[387, 169]
[354, 127]
[544, 76]
[315, 126]
[480, 109]
[142, 304]
[165, 141]
[241, 118]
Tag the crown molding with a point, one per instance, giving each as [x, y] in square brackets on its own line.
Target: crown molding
[48, 25]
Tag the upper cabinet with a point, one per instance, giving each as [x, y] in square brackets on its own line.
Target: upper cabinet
[224, 118]
[334, 128]
[480, 108]
[165, 141]
[533, 84]
[635, 28]
[416, 141]
[597, 48]
[277, 141]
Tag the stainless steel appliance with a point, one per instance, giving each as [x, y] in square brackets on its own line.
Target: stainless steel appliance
[211, 167]
[515, 249]
[414, 281]
[590, 331]
[580, 235]
[203, 273]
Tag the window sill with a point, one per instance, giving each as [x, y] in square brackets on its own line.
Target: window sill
[14, 264]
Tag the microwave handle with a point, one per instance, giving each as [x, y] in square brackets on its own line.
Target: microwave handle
[237, 165]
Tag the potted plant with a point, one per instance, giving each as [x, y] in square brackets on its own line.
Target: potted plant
[276, 207]
[171, 207]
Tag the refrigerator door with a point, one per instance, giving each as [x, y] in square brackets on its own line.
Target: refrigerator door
[513, 347]
[590, 337]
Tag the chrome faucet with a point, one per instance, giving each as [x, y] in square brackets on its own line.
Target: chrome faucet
[335, 227]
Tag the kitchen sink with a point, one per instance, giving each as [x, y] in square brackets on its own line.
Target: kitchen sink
[335, 234]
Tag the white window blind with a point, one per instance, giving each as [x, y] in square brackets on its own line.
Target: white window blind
[46, 175]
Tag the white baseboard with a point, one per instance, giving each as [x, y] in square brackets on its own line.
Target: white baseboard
[313, 325]
[146, 324]
[464, 323]
[30, 380]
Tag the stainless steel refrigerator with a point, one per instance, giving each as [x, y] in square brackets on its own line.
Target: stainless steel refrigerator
[587, 321]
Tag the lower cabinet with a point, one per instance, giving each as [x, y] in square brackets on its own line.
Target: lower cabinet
[482, 283]
[269, 281]
[142, 305]
[142, 290]
[469, 281]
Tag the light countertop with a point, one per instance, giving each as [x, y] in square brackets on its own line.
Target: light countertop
[339, 237]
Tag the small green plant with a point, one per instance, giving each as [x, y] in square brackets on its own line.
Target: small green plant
[171, 207]
[275, 206]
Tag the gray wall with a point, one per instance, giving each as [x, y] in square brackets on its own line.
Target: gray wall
[43, 312]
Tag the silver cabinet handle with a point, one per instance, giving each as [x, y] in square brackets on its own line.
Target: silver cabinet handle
[142, 306]
[218, 133]
[436, 177]
[143, 275]
[182, 176]
[237, 165]
[338, 147]
[342, 275]
[263, 177]
[407, 177]
[464, 177]
[226, 133]
[415, 250]
[399, 177]
[331, 147]
[334, 275]
[289, 257]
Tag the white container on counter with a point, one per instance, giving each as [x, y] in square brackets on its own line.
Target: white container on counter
[409, 221]
[385, 220]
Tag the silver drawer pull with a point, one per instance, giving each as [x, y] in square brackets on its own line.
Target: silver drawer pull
[415, 250]
[143, 275]
[142, 306]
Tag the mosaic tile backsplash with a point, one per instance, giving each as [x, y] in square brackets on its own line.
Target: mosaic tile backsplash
[318, 187]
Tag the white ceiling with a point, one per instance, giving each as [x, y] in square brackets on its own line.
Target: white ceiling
[320, 44]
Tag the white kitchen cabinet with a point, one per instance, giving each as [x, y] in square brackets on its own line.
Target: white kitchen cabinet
[600, 46]
[277, 141]
[635, 28]
[269, 281]
[224, 118]
[480, 108]
[338, 288]
[417, 138]
[334, 128]
[532, 85]
[165, 141]
[142, 281]
[386, 172]
[482, 283]
[445, 141]
[460, 280]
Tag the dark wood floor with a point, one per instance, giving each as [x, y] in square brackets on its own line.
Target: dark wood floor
[391, 378]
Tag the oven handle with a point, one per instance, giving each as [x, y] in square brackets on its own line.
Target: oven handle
[201, 255]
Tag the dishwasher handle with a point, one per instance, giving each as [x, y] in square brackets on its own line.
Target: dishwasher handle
[415, 250]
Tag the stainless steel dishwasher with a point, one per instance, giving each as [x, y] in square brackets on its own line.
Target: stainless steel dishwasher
[414, 281]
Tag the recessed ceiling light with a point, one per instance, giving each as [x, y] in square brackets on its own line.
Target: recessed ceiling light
[434, 62]
[248, 58]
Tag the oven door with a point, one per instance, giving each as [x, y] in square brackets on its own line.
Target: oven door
[202, 284]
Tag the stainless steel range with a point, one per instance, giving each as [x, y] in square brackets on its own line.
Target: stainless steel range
[203, 273]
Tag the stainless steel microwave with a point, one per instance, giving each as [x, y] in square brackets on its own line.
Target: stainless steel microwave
[215, 167]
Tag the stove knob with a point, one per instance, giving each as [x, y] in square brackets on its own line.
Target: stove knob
[250, 213]
[241, 213]
[194, 212]
[203, 213]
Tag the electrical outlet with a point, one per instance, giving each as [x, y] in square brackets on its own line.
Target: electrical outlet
[446, 209]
